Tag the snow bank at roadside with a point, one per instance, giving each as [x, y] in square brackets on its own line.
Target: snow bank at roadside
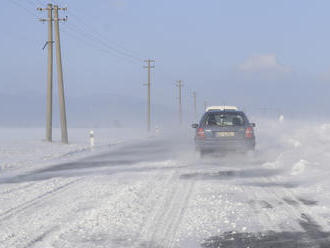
[300, 149]
[26, 147]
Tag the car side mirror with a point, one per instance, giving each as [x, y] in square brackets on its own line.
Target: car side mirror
[253, 124]
[195, 125]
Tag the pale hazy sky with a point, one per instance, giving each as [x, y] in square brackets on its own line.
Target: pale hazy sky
[252, 53]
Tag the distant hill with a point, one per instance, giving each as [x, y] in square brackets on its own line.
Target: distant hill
[98, 110]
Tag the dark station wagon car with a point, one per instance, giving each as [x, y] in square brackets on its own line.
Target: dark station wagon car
[224, 128]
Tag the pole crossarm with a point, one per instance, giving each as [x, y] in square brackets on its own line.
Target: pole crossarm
[179, 83]
[53, 19]
[43, 9]
[149, 61]
[52, 8]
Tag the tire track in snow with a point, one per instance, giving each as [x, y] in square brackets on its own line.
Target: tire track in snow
[177, 220]
[150, 186]
[145, 229]
[167, 215]
[30, 203]
[12, 190]
[41, 237]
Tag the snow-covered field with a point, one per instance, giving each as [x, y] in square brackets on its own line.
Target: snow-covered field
[132, 190]
[22, 148]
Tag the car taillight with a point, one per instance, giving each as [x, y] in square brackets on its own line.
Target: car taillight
[249, 132]
[200, 133]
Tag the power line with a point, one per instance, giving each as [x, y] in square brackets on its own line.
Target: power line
[83, 28]
[104, 38]
[85, 33]
[96, 40]
[20, 5]
[35, 5]
[89, 41]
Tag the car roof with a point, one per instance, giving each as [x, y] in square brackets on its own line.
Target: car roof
[221, 108]
[225, 111]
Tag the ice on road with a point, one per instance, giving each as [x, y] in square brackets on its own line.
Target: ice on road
[157, 192]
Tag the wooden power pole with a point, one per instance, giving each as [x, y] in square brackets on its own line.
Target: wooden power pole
[149, 66]
[180, 85]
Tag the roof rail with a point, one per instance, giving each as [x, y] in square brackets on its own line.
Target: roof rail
[221, 108]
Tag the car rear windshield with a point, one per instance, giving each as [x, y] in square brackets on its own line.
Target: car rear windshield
[225, 119]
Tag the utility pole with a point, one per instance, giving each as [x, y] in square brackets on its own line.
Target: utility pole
[50, 8]
[49, 107]
[64, 130]
[195, 105]
[180, 85]
[149, 66]
[205, 105]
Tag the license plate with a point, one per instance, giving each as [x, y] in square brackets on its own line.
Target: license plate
[225, 134]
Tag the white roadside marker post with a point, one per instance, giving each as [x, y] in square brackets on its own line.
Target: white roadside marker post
[281, 118]
[91, 138]
[157, 130]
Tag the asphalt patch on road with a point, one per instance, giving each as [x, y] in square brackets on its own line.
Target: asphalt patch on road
[288, 185]
[109, 162]
[262, 204]
[231, 174]
[308, 202]
[74, 173]
[291, 202]
[313, 236]
[265, 204]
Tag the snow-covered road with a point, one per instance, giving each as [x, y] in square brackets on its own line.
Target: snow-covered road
[156, 192]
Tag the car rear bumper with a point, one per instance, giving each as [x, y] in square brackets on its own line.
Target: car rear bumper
[227, 145]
